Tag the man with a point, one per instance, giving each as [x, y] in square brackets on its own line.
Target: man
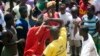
[88, 46]
[65, 16]
[74, 42]
[51, 13]
[15, 10]
[9, 37]
[90, 19]
[22, 29]
[58, 46]
[38, 38]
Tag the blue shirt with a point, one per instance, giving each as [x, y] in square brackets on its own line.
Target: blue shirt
[22, 28]
[90, 23]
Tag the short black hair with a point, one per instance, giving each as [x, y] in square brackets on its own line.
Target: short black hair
[8, 17]
[74, 9]
[84, 28]
[91, 7]
[62, 6]
[23, 9]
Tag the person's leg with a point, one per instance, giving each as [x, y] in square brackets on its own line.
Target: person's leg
[77, 45]
[20, 49]
[72, 47]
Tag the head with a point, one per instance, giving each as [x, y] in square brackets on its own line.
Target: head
[23, 11]
[74, 11]
[23, 1]
[83, 30]
[72, 3]
[54, 32]
[62, 8]
[51, 5]
[9, 19]
[91, 11]
[54, 29]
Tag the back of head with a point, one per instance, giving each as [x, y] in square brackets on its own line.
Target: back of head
[91, 8]
[8, 17]
[84, 28]
[74, 9]
[22, 9]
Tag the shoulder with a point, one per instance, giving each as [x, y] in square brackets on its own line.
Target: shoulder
[18, 22]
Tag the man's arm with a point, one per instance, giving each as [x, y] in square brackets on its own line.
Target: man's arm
[48, 51]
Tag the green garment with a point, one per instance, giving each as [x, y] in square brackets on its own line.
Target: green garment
[41, 4]
[96, 39]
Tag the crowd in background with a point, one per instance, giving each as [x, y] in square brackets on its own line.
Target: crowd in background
[50, 28]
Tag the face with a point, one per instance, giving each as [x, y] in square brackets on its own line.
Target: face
[50, 9]
[90, 12]
[24, 14]
[62, 8]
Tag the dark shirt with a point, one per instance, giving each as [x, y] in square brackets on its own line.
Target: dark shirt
[22, 28]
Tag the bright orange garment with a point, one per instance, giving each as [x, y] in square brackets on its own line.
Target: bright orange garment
[82, 8]
[35, 44]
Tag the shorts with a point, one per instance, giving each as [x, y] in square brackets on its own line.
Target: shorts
[76, 43]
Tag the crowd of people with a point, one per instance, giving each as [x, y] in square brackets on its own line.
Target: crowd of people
[50, 28]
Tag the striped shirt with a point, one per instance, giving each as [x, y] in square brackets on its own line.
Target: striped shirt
[90, 23]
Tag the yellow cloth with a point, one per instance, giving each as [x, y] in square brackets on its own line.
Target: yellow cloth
[58, 47]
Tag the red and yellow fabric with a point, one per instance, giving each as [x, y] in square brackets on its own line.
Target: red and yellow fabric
[82, 8]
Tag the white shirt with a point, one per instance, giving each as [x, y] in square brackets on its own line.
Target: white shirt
[16, 10]
[65, 17]
[2, 21]
[88, 47]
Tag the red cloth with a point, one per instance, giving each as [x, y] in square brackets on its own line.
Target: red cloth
[82, 8]
[46, 16]
[35, 44]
